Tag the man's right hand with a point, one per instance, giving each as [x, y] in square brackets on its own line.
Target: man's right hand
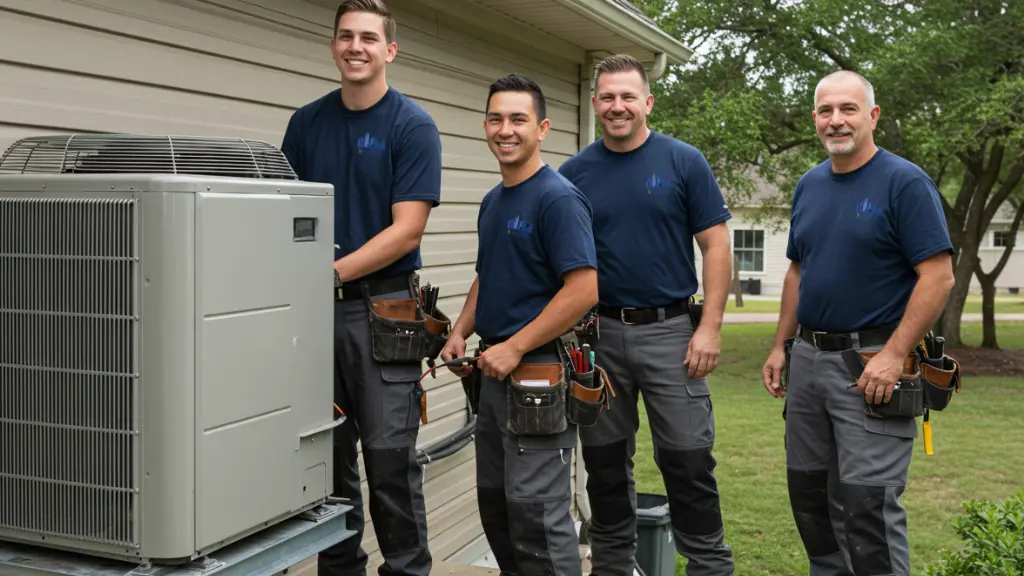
[456, 348]
[771, 373]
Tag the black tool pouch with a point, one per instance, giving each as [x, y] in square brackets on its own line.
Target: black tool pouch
[907, 400]
[587, 398]
[695, 309]
[400, 331]
[940, 378]
[788, 347]
[536, 397]
[471, 386]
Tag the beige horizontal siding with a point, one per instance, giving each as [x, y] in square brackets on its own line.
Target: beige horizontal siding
[239, 68]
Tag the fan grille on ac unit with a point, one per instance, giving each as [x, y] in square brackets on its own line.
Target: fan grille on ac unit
[135, 154]
[68, 364]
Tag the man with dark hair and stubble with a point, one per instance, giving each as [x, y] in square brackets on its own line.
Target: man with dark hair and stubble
[536, 278]
[382, 153]
[652, 195]
[870, 270]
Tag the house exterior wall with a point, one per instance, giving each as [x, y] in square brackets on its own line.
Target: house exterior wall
[238, 68]
[764, 258]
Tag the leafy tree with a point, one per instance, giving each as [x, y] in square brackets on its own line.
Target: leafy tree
[948, 76]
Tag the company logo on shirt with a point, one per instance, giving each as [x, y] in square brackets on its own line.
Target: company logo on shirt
[370, 144]
[654, 184]
[867, 210]
[518, 226]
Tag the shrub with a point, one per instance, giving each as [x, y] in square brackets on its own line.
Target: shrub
[993, 534]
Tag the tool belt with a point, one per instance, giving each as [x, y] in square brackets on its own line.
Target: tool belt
[401, 329]
[543, 398]
[927, 381]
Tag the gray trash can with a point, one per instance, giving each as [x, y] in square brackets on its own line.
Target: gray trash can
[656, 549]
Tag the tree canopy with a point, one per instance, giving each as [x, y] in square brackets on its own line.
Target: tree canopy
[948, 76]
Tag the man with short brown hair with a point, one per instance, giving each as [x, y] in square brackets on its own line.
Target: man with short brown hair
[652, 195]
[382, 153]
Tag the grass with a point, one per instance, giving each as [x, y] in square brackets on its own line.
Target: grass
[977, 444]
[1005, 304]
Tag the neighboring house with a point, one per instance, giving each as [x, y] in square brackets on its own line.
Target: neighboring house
[1011, 280]
[238, 68]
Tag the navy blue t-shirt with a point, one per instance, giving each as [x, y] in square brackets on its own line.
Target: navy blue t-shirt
[648, 203]
[387, 153]
[530, 235]
[858, 236]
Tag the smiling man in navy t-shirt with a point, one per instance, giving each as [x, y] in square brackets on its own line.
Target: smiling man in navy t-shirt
[870, 269]
[653, 196]
[382, 153]
[536, 278]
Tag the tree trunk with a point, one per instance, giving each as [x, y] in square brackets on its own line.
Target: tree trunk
[988, 311]
[949, 327]
[737, 286]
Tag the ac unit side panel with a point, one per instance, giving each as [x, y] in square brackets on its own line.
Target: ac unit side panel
[167, 375]
[69, 307]
[311, 379]
[250, 414]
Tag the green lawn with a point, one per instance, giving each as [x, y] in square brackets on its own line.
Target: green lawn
[977, 442]
[1004, 304]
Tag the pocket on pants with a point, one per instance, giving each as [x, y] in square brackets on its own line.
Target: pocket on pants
[400, 400]
[899, 427]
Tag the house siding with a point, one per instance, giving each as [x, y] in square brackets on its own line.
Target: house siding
[239, 68]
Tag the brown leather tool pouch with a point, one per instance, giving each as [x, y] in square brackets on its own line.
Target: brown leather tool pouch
[401, 332]
[587, 399]
[536, 399]
[941, 377]
[907, 399]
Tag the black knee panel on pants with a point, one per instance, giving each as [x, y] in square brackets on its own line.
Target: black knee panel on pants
[494, 517]
[692, 490]
[526, 527]
[808, 496]
[607, 482]
[391, 506]
[865, 529]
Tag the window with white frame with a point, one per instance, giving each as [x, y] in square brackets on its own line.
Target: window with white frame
[748, 250]
[1000, 238]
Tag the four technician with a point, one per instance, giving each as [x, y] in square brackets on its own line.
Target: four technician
[613, 230]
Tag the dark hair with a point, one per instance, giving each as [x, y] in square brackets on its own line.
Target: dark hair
[621, 63]
[373, 7]
[520, 83]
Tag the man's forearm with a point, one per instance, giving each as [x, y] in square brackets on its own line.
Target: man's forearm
[717, 274]
[787, 311]
[380, 251]
[467, 318]
[924, 308]
[563, 312]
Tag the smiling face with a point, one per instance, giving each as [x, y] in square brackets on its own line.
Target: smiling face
[513, 131]
[844, 115]
[360, 47]
[621, 104]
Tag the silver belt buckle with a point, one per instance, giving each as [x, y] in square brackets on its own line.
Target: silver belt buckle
[622, 314]
[814, 337]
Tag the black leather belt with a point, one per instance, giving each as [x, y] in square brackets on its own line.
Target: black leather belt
[548, 348]
[629, 315]
[353, 290]
[838, 341]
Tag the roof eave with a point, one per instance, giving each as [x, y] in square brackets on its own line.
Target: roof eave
[631, 26]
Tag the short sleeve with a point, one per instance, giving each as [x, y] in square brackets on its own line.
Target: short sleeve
[568, 234]
[291, 146]
[792, 248]
[920, 221]
[418, 166]
[705, 203]
[566, 169]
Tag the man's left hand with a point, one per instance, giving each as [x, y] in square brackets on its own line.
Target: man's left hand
[703, 352]
[499, 360]
[880, 376]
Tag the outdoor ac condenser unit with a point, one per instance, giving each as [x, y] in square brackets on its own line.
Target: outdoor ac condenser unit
[166, 356]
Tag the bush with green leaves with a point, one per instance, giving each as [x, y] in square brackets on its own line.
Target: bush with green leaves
[993, 534]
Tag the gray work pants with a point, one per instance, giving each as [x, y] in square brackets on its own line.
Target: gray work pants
[846, 471]
[524, 489]
[648, 359]
[383, 410]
